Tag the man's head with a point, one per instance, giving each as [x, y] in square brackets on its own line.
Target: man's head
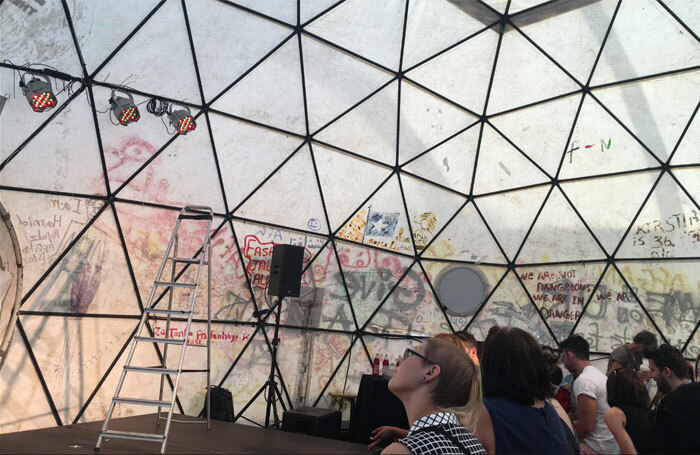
[469, 344]
[642, 341]
[576, 351]
[667, 367]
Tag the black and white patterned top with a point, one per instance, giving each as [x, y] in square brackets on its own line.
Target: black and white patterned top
[441, 433]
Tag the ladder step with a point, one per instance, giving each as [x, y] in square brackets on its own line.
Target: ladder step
[195, 371]
[174, 284]
[142, 402]
[161, 340]
[195, 217]
[156, 370]
[192, 345]
[166, 312]
[130, 435]
[186, 260]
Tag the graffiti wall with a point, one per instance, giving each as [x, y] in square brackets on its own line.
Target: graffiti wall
[555, 158]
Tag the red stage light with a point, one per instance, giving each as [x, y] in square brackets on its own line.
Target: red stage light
[182, 120]
[124, 109]
[39, 94]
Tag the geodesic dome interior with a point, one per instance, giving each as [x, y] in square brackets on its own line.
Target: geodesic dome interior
[445, 164]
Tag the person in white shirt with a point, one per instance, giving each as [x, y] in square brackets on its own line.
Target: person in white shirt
[590, 398]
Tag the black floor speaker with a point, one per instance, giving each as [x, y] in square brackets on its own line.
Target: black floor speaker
[324, 423]
[285, 271]
[221, 404]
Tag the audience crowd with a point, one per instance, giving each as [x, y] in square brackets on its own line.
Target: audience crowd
[509, 395]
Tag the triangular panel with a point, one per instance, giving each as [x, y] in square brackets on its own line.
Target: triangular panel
[429, 208]
[668, 290]
[382, 221]
[325, 360]
[69, 139]
[667, 226]
[524, 75]
[623, 197]
[308, 9]
[230, 294]
[18, 121]
[450, 164]
[144, 386]
[573, 38]
[690, 179]
[688, 12]
[335, 81]
[53, 46]
[462, 74]
[600, 145]
[272, 93]
[688, 151]
[656, 111]
[365, 28]
[541, 131]
[501, 166]
[498, 209]
[226, 56]
[97, 41]
[561, 292]
[425, 121]
[613, 316]
[346, 182]
[283, 10]
[250, 373]
[19, 385]
[632, 51]
[165, 33]
[172, 180]
[147, 231]
[290, 197]
[559, 235]
[324, 302]
[369, 129]
[45, 226]
[426, 16]
[466, 238]
[412, 309]
[510, 306]
[92, 277]
[370, 275]
[247, 154]
[76, 352]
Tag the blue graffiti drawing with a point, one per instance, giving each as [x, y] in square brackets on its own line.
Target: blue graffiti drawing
[381, 224]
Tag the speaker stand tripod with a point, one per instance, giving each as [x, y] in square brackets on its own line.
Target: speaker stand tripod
[270, 388]
[273, 391]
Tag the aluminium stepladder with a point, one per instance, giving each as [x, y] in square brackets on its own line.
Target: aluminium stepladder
[202, 258]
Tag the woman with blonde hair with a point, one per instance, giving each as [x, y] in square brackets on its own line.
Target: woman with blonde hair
[440, 388]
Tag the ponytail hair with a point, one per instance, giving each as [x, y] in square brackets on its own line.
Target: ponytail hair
[459, 387]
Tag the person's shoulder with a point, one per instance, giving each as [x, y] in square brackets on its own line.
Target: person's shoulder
[620, 350]
[593, 373]
[396, 448]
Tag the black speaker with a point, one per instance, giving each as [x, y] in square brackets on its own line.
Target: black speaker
[221, 404]
[285, 271]
[324, 423]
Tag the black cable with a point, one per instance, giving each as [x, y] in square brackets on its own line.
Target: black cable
[157, 107]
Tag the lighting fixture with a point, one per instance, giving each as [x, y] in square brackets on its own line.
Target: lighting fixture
[39, 93]
[182, 120]
[124, 109]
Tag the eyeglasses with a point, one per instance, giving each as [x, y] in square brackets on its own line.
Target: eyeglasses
[409, 352]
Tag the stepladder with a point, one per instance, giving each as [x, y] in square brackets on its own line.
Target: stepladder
[185, 276]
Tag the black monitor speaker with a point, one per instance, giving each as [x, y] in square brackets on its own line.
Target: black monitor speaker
[285, 271]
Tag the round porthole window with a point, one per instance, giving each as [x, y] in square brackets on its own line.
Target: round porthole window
[461, 289]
